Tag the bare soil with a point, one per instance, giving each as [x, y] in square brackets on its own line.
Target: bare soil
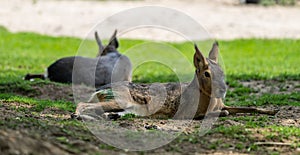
[272, 86]
[31, 138]
[52, 131]
[49, 91]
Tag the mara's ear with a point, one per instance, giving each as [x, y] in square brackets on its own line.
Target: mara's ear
[113, 41]
[214, 52]
[200, 61]
[100, 46]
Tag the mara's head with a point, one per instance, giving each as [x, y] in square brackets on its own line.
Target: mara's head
[209, 74]
[111, 47]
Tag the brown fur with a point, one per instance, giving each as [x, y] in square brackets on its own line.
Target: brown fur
[203, 95]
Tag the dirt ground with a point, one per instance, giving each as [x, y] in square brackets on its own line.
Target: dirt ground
[26, 131]
[30, 138]
[224, 19]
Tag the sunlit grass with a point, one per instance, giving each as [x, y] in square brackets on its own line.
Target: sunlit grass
[254, 58]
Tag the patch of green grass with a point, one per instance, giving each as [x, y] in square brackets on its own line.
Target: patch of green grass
[214, 145]
[240, 95]
[292, 99]
[236, 132]
[39, 105]
[26, 87]
[250, 121]
[158, 71]
[106, 147]
[240, 91]
[279, 2]
[24, 52]
[62, 139]
[128, 116]
[261, 58]
[244, 137]
[278, 133]
[22, 86]
[239, 146]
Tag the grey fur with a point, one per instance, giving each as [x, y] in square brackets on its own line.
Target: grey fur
[108, 66]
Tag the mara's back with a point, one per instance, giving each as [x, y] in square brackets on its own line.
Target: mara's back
[109, 66]
[91, 71]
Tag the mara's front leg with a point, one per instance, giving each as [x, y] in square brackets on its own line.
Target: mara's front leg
[90, 111]
[98, 108]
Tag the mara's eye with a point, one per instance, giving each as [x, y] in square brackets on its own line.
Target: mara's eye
[206, 74]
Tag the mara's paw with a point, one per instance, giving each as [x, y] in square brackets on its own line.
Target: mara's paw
[224, 113]
[111, 116]
[82, 117]
[74, 116]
